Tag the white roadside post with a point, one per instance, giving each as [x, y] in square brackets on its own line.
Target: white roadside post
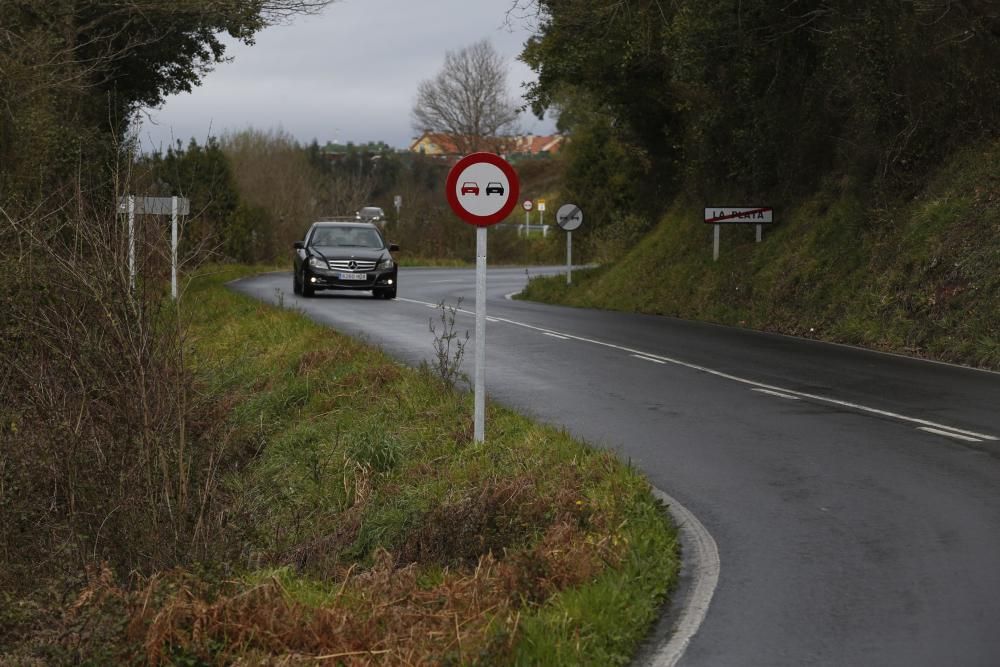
[398, 202]
[482, 190]
[569, 258]
[745, 215]
[172, 206]
[479, 411]
[569, 217]
[541, 212]
[173, 247]
[527, 206]
[131, 242]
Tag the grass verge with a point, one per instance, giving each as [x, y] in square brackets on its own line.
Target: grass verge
[362, 526]
[919, 275]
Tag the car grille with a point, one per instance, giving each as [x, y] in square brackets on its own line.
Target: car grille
[360, 265]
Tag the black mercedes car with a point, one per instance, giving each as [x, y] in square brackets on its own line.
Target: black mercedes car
[345, 256]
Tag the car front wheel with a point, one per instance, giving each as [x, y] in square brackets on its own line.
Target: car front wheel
[307, 289]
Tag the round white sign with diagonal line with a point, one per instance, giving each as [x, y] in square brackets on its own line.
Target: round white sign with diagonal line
[569, 217]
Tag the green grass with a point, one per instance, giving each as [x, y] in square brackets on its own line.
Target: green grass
[919, 275]
[356, 456]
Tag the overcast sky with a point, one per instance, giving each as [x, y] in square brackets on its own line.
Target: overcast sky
[349, 74]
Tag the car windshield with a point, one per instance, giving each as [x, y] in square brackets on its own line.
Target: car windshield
[346, 237]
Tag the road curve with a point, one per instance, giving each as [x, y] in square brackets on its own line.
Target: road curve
[854, 496]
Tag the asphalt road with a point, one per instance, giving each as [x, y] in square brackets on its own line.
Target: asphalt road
[854, 496]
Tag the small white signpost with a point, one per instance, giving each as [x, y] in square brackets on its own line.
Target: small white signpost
[736, 215]
[398, 203]
[482, 189]
[172, 206]
[569, 217]
[527, 206]
[541, 211]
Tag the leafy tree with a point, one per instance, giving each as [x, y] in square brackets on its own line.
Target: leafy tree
[755, 98]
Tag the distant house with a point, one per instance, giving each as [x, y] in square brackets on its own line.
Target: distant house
[439, 144]
[435, 144]
[537, 146]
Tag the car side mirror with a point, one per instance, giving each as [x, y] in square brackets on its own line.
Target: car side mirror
[298, 245]
[393, 247]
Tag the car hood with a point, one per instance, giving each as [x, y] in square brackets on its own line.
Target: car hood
[337, 252]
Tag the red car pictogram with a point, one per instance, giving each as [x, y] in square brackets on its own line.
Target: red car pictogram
[470, 188]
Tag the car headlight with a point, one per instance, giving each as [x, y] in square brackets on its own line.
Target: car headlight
[317, 263]
[386, 263]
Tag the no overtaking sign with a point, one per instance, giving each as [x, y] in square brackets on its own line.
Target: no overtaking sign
[482, 189]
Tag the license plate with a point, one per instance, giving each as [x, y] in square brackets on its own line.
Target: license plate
[354, 276]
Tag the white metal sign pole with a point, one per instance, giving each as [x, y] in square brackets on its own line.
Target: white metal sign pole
[527, 221]
[479, 419]
[173, 248]
[569, 258]
[715, 245]
[131, 241]
[759, 227]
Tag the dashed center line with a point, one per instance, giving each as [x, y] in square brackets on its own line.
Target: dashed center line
[645, 358]
[950, 430]
[776, 393]
[948, 434]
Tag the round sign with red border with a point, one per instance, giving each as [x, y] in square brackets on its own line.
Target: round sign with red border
[528, 205]
[482, 189]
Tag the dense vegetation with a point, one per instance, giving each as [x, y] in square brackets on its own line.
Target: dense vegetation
[723, 98]
[375, 532]
[869, 126]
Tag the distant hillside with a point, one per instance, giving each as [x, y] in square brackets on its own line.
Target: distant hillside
[919, 276]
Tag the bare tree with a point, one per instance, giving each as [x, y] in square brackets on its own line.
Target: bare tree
[468, 100]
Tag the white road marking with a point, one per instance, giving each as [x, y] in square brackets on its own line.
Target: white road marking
[948, 434]
[741, 380]
[446, 281]
[776, 393]
[510, 297]
[702, 565]
[491, 319]
[645, 358]
[555, 335]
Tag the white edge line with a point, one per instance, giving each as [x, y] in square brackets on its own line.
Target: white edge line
[555, 335]
[751, 383]
[511, 296]
[948, 434]
[776, 393]
[700, 564]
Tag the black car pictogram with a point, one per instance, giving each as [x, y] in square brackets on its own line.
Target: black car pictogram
[494, 188]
